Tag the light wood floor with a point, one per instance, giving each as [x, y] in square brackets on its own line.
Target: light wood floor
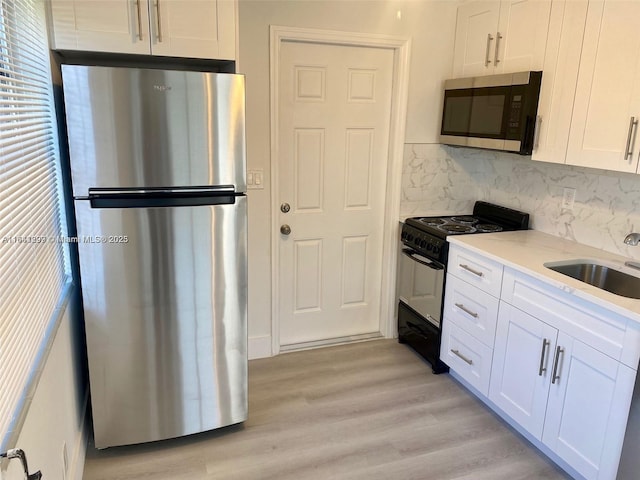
[370, 410]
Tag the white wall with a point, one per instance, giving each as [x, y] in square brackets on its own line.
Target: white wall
[431, 26]
[56, 414]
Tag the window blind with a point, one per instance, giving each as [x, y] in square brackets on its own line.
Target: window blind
[33, 270]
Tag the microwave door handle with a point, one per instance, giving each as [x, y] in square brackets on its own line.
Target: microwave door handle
[420, 259]
[536, 133]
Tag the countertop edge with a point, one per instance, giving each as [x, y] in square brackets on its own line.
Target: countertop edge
[567, 285]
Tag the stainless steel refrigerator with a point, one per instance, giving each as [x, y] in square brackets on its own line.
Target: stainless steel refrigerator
[158, 172]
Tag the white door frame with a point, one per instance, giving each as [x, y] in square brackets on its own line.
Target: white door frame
[401, 49]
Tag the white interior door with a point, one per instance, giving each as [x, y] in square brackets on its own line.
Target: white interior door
[334, 109]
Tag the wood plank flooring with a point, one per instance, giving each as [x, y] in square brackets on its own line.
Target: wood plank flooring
[369, 410]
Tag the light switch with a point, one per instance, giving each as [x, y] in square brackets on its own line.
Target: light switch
[255, 179]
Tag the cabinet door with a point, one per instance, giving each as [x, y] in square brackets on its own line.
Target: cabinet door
[193, 28]
[588, 408]
[120, 26]
[559, 78]
[607, 94]
[520, 375]
[474, 49]
[521, 37]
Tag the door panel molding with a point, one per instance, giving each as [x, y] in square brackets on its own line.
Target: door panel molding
[401, 48]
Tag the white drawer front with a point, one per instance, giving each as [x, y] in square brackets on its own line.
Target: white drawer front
[482, 272]
[467, 356]
[471, 309]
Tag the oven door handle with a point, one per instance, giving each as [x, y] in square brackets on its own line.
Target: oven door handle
[422, 260]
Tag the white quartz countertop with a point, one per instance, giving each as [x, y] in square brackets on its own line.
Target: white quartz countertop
[528, 251]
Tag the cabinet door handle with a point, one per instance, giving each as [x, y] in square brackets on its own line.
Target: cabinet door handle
[628, 152]
[496, 60]
[556, 362]
[545, 344]
[469, 269]
[466, 310]
[158, 22]
[139, 19]
[486, 55]
[464, 359]
[536, 132]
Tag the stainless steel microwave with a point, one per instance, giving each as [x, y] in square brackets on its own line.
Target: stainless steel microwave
[494, 111]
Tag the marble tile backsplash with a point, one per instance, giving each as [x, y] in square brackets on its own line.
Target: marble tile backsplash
[438, 179]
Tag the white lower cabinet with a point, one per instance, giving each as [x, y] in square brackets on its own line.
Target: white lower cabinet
[521, 373]
[588, 408]
[559, 367]
[563, 392]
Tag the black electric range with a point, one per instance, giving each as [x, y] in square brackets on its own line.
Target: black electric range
[422, 271]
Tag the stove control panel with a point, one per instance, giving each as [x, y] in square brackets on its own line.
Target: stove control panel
[424, 243]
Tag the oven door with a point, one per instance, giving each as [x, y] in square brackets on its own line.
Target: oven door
[421, 285]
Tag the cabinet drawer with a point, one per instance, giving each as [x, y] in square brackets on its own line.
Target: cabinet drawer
[480, 271]
[467, 356]
[471, 309]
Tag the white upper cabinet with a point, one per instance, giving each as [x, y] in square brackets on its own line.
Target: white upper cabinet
[559, 77]
[604, 126]
[193, 28]
[474, 49]
[500, 37]
[177, 28]
[101, 26]
[590, 96]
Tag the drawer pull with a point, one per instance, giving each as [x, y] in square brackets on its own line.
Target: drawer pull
[465, 359]
[545, 344]
[469, 269]
[466, 310]
[556, 362]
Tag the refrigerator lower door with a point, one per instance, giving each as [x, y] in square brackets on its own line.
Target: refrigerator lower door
[165, 304]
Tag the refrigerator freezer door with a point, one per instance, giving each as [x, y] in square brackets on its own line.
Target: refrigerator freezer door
[165, 295]
[131, 127]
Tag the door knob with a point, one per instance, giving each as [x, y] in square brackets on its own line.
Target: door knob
[285, 229]
[285, 207]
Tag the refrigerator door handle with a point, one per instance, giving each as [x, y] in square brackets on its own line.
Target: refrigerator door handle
[161, 191]
[161, 197]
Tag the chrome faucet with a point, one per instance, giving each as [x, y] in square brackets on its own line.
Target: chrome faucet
[632, 239]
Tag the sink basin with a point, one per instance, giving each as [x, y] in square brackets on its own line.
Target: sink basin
[601, 276]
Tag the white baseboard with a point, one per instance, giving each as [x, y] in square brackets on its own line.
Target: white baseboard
[76, 467]
[259, 347]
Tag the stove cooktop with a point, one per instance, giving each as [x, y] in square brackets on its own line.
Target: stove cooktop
[428, 235]
[456, 225]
